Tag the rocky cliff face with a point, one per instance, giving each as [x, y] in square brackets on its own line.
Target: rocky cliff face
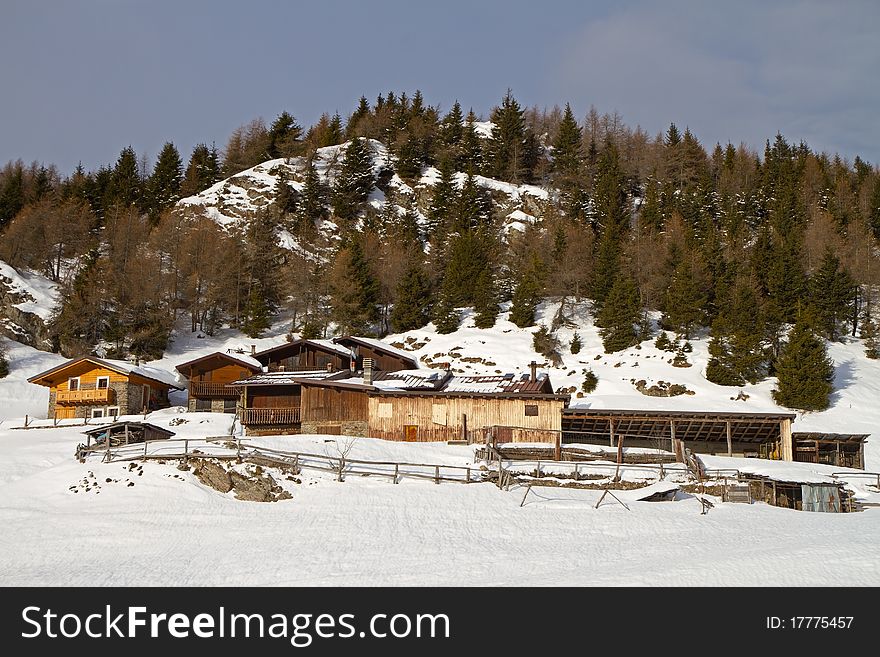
[24, 311]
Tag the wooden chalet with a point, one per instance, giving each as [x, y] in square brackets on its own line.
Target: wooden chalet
[764, 435]
[304, 356]
[384, 357]
[93, 387]
[209, 378]
[411, 405]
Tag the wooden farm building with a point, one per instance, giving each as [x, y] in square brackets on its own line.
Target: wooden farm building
[411, 405]
[208, 379]
[92, 387]
[840, 449]
[125, 433]
[340, 354]
[765, 435]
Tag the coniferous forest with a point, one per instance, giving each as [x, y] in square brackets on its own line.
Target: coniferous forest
[718, 238]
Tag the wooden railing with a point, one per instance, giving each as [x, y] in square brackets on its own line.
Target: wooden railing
[100, 395]
[277, 367]
[258, 416]
[207, 389]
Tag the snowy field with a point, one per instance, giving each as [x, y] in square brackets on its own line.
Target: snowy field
[169, 529]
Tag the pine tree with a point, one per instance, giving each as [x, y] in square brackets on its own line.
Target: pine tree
[311, 205]
[163, 186]
[650, 216]
[4, 362]
[576, 344]
[735, 348]
[286, 197]
[607, 267]
[473, 208]
[805, 373]
[411, 304]
[443, 198]
[285, 137]
[609, 193]
[468, 255]
[126, 187]
[508, 148]
[355, 291]
[832, 293]
[485, 300]
[870, 334]
[526, 296]
[451, 127]
[355, 180]
[445, 316]
[874, 210]
[590, 381]
[684, 301]
[362, 112]
[619, 315]
[470, 149]
[567, 149]
[11, 193]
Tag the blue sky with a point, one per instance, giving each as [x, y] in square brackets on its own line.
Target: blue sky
[81, 80]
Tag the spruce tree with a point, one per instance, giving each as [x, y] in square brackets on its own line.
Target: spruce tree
[470, 150]
[443, 197]
[411, 303]
[607, 267]
[650, 215]
[126, 186]
[508, 152]
[567, 149]
[870, 334]
[735, 348]
[286, 197]
[832, 293]
[451, 127]
[805, 373]
[445, 316]
[311, 205]
[619, 315]
[355, 180]
[874, 210]
[684, 301]
[609, 193]
[473, 208]
[285, 137]
[163, 186]
[468, 255]
[576, 344]
[485, 300]
[354, 291]
[4, 362]
[12, 197]
[526, 296]
[362, 112]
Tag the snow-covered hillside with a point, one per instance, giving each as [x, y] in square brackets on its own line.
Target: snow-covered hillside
[27, 301]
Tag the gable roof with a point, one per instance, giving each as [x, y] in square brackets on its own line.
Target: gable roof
[326, 345]
[239, 359]
[378, 345]
[122, 367]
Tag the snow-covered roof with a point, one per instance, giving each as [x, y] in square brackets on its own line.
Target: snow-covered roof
[283, 378]
[327, 345]
[248, 361]
[498, 384]
[378, 345]
[121, 366]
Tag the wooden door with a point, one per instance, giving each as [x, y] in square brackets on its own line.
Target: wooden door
[410, 433]
[62, 413]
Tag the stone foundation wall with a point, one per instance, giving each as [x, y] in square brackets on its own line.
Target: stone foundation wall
[338, 428]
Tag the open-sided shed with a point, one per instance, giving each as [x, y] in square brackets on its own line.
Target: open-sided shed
[842, 449]
[767, 435]
[126, 432]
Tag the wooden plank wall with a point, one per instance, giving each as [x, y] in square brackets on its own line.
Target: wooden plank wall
[224, 374]
[440, 418]
[320, 404]
[273, 397]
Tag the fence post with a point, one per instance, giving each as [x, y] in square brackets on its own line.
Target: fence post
[468, 476]
[499, 468]
[577, 474]
[145, 449]
[238, 449]
[25, 421]
[538, 470]
[185, 451]
[436, 474]
[396, 470]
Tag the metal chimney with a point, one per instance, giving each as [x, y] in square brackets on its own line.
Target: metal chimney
[533, 366]
[368, 371]
[253, 349]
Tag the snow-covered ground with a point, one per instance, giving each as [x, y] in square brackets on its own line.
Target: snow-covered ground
[168, 528]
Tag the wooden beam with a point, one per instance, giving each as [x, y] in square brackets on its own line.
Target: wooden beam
[611, 424]
[729, 441]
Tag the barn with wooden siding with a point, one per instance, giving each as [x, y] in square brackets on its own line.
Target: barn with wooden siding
[384, 357]
[92, 387]
[304, 356]
[209, 380]
[765, 435]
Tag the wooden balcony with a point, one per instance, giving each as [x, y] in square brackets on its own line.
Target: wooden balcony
[276, 367]
[94, 396]
[270, 416]
[212, 390]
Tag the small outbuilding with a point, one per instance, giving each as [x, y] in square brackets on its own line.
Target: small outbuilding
[126, 433]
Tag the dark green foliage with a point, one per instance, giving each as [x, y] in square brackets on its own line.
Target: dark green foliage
[355, 180]
[607, 267]
[805, 373]
[163, 186]
[470, 149]
[411, 305]
[663, 342]
[609, 194]
[261, 285]
[361, 113]
[526, 296]
[11, 193]
[545, 342]
[736, 353]
[619, 315]
[126, 186]
[445, 316]
[468, 257]
[684, 301]
[511, 151]
[650, 213]
[443, 199]
[576, 344]
[286, 197]
[874, 210]
[870, 334]
[590, 381]
[567, 148]
[311, 330]
[202, 171]
[355, 292]
[451, 128]
[832, 294]
[485, 300]
[285, 137]
[311, 204]
[472, 208]
[645, 329]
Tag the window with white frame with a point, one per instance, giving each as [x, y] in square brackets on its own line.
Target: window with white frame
[97, 412]
[103, 382]
[112, 411]
[73, 383]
